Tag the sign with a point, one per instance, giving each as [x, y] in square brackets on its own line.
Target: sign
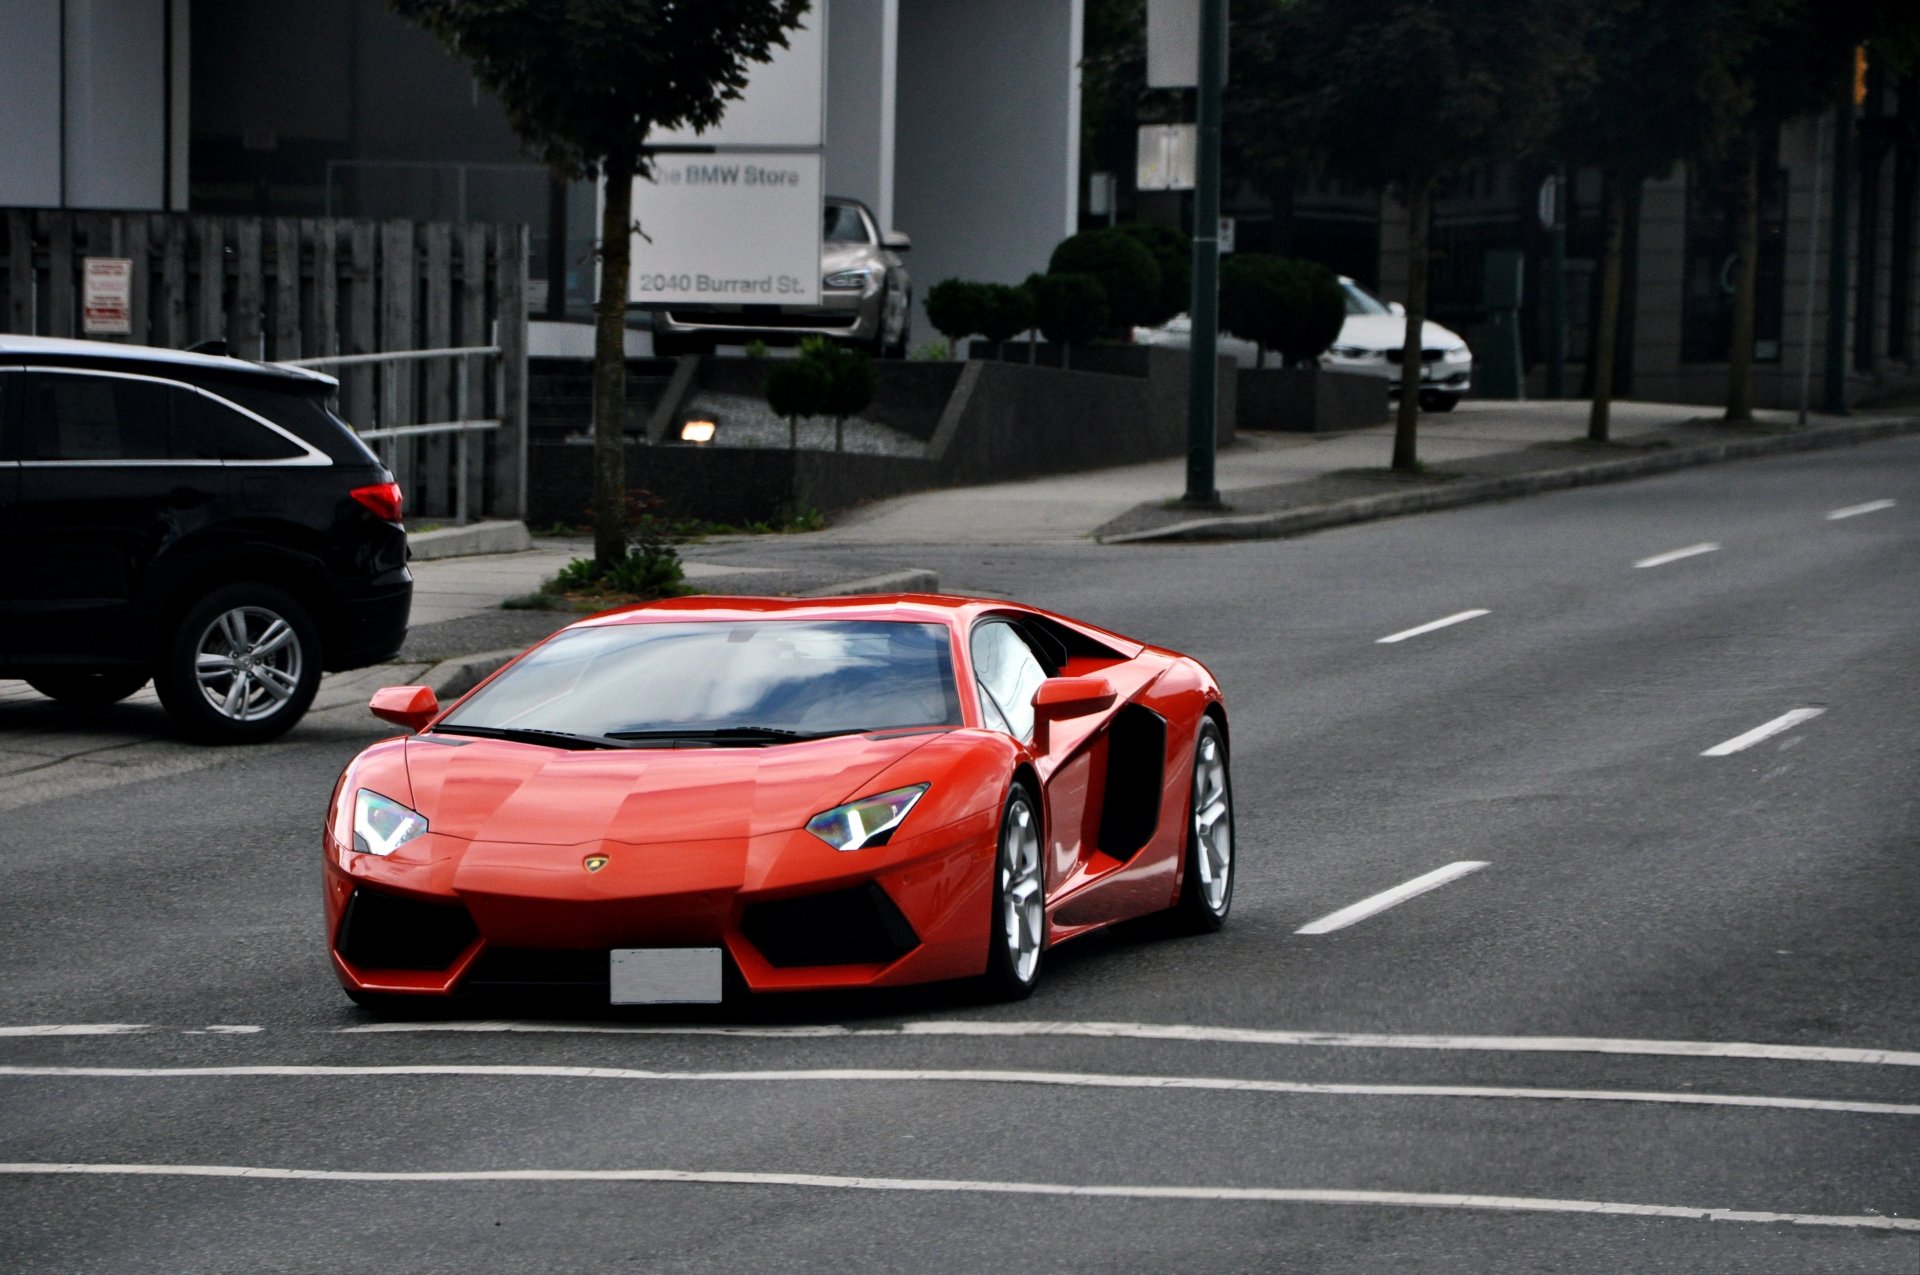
[1166, 157]
[1226, 235]
[1549, 202]
[106, 296]
[783, 103]
[739, 228]
[1173, 45]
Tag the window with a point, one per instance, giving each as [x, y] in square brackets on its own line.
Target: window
[206, 429]
[845, 225]
[82, 417]
[1008, 674]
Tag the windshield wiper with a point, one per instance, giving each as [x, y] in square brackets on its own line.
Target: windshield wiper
[530, 735]
[736, 734]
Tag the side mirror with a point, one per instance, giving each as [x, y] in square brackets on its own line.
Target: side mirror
[894, 241]
[1395, 308]
[409, 706]
[1059, 698]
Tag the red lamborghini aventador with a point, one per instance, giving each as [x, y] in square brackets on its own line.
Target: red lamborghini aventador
[836, 793]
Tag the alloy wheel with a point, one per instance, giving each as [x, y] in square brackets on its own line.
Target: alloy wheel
[248, 662]
[1022, 900]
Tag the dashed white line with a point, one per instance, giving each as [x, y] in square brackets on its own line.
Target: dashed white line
[1675, 555]
[1854, 511]
[1388, 898]
[1237, 1194]
[922, 1075]
[74, 1029]
[1786, 721]
[1199, 1033]
[1460, 618]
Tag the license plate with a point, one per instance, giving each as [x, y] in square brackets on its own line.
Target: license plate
[665, 976]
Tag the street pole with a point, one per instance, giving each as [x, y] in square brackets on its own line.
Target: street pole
[1813, 264]
[1203, 373]
[1557, 290]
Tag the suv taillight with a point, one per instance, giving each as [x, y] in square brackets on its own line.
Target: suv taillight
[382, 499]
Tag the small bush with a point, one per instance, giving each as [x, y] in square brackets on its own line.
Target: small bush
[1281, 303]
[826, 380]
[1172, 250]
[932, 352]
[1069, 308]
[1005, 311]
[957, 309]
[1129, 277]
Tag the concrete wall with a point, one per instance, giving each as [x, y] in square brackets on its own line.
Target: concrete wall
[83, 97]
[988, 142]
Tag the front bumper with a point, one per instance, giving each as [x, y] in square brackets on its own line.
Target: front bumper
[1442, 375]
[443, 916]
[848, 315]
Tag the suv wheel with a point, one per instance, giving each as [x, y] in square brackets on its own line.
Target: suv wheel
[89, 690]
[243, 665]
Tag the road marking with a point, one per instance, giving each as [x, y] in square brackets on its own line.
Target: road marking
[1057, 1079]
[1388, 898]
[1674, 555]
[1238, 1194]
[1854, 511]
[1461, 618]
[1188, 1033]
[1786, 721]
[75, 1029]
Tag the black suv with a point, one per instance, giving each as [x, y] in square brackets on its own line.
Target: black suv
[198, 520]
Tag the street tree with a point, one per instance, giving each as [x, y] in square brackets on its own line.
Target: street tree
[1398, 93]
[1663, 89]
[585, 84]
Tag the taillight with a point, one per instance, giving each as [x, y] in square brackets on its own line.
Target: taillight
[382, 499]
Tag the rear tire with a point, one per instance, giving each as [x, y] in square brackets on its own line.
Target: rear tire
[1439, 402]
[1206, 884]
[242, 666]
[1018, 935]
[89, 690]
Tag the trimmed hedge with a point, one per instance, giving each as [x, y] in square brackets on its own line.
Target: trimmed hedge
[1069, 308]
[1172, 250]
[1128, 274]
[1281, 303]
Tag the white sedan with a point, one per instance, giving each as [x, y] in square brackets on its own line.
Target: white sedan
[1370, 344]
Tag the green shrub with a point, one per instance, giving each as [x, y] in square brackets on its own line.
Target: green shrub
[1172, 250]
[932, 352]
[957, 309]
[826, 380]
[1129, 277]
[798, 387]
[1006, 311]
[1069, 308]
[1281, 303]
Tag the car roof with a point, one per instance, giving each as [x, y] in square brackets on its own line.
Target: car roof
[98, 353]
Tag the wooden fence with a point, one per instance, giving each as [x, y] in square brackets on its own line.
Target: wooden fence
[280, 289]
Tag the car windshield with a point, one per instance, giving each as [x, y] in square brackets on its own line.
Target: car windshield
[1360, 301]
[844, 225]
[751, 681]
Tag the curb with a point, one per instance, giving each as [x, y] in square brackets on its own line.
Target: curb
[461, 542]
[906, 580]
[1294, 522]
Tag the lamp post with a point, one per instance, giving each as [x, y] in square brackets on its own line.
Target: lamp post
[1203, 374]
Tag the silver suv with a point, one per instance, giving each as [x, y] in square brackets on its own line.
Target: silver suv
[866, 297]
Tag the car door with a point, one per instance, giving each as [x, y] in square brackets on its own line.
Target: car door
[9, 501]
[101, 498]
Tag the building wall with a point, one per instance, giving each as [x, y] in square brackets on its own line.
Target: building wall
[862, 86]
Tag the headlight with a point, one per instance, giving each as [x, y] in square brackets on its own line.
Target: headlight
[1353, 352]
[382, 825]
[1458, 354]
[867, 822]
[847, 279]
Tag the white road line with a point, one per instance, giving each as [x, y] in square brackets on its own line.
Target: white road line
[1057, 1079]
[1461, 618]
[75, 1029]
[1674, 555]
[1786, 721]
[1388, 898]
[1237, 1194]
[1854, 511]
[1190, 1033]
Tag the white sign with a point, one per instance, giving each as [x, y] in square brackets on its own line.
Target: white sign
[783, 103]
[1549, 203]
[731, 229]
[1227, 226]
[106, 296]
[1166, 157]
[1173, 45]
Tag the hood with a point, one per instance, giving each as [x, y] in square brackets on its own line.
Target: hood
[848, 256]
[1389, 332]
[497, 790]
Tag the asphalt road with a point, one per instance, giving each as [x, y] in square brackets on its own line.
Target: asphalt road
[1525, 1068]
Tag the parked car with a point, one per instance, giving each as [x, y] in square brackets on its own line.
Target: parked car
[866, 297]
[200, 521]
[788, 794]
[1370, 343]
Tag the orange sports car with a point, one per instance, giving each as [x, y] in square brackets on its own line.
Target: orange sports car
[660, 801]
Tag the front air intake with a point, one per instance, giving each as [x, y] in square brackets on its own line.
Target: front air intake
[387, 932]
[860, 926]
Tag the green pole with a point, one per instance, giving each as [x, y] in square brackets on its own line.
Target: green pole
[1202, 383]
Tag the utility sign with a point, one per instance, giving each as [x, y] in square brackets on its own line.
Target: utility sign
[739, 227]
[1173, 45]
[1166, 157]
[106, 296]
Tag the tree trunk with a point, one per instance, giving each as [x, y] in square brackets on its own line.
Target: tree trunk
[1607, 324]
[610, 368]
[1747, 228]
[1406, 428]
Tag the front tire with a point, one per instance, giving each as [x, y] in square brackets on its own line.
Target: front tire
[1018, 935]
[1437, 402]
[1206, 885]
[242, 666]
[89, 690]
